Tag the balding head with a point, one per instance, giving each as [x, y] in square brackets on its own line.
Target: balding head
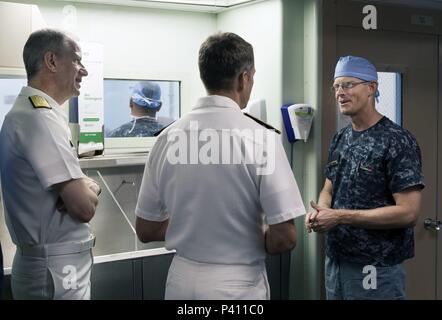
[39, 43]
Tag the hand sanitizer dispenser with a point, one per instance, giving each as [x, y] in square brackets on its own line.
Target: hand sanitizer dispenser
[297, 121]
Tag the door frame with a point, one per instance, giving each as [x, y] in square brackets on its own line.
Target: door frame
[439, 178]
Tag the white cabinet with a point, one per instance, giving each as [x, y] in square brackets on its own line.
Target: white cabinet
[17, 21]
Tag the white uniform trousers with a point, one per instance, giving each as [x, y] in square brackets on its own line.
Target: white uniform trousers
[65, 277]
[191, 280]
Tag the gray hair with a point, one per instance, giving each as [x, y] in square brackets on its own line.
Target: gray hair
[221, 57]
[39, 43]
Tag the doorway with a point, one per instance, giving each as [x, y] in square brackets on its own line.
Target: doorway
[414, 57]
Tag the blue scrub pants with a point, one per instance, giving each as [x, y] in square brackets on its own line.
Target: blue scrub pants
[351, 281]
[1, 272]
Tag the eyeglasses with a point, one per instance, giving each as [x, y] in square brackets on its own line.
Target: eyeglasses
[346, 85]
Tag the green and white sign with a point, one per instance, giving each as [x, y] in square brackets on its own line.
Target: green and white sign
[90, 101]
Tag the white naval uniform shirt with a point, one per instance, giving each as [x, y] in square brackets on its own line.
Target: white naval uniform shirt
[35, 154]
[217, 211]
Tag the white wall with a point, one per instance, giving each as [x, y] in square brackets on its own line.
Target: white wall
[141, 42]
[301, 76]
[149, 43]
[261, 25]
[22, 19]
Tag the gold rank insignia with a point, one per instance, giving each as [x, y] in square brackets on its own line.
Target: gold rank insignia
[39, 102]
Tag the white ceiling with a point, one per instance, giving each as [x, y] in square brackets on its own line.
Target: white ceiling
[186, 5]
[429, 4]
[214, 6]
[216, 3]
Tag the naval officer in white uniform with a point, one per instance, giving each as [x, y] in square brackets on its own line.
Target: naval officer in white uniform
[48, 200]
[218, 188]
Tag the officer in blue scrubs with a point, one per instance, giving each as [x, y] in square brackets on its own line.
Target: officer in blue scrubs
[371, 198]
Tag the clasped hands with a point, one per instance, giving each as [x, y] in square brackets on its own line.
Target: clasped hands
[93, 185]
[322, 219]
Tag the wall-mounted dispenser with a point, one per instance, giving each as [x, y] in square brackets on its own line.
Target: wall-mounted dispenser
[297, 121]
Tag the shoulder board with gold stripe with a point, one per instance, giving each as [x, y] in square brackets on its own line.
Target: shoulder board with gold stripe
[266, 125]
[156, 134]
[39, 102]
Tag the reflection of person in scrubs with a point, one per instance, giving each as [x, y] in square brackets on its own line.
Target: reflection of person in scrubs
[144, 104]
[47, 198]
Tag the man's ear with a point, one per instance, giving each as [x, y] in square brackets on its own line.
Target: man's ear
[241, 80]
[373, 86]
[50, 61]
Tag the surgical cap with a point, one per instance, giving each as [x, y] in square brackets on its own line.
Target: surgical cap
[356, 67]
[147, 95]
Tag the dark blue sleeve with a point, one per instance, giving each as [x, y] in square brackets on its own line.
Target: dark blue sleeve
[1, 272]
[404, 165]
